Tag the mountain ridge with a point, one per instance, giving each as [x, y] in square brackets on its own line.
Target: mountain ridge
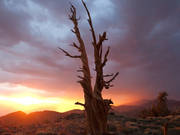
[21, 118]
[134, 110]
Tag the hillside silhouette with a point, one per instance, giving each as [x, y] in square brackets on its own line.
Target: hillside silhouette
[20, 118]
[134, 110]
[122, 120]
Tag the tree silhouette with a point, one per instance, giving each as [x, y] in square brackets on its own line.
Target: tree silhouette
[96, 107]
[161, 107]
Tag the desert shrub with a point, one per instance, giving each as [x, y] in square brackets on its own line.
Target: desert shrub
[144, 113]
[74, 116]
[159, 108]
[176, 111]
[47, 133]
[126, 131]
[112, 127]
[176, 123]
[173, 132]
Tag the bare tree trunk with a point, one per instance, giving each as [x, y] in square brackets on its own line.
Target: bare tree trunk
[96, 107]
[96, 117]
[165, 128]
[96, 114]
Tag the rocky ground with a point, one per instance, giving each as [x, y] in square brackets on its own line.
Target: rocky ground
[74, 124]
[149, 126]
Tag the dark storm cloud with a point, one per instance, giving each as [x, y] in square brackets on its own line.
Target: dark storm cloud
[150, 43]
[148, 25]
[20, 57]
[144, 37]
[12, 25]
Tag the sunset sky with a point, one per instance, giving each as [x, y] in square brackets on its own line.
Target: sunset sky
[144, 37]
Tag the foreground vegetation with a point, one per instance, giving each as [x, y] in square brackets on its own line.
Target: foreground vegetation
[74, 124]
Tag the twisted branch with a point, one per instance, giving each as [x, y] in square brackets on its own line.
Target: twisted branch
[69, 55]
[76, 46]
[107, 84]
[90, 23]
[105, 57]
[78, 103]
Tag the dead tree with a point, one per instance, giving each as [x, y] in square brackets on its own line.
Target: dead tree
[96, 107]
[165, 128]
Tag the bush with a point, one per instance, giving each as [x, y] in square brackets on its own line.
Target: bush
[159, 108]
[47, 133]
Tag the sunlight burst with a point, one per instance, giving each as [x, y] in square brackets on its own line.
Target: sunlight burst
[29, 100]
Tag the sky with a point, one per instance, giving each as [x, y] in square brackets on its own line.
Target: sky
[144, 37]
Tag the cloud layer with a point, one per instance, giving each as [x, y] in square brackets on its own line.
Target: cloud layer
[144, 37]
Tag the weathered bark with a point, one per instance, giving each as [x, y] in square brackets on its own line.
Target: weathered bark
[96, 117]
[96, 107]
[165, 128]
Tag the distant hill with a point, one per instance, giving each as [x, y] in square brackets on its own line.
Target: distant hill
[13, 118]
[21, 118]
[133, 110]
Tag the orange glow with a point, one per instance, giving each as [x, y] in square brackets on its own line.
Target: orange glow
[22, 98]
[29, 100]
[121, 98]
[29, 104]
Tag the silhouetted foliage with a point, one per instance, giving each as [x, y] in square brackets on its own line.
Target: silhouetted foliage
[159, 108]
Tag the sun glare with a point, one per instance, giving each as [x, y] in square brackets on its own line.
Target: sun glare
[30, 104]
[26, 101]
[30, 99]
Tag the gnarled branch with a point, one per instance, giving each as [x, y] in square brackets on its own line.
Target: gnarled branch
[114, 77]
[105, 57]
[81, 77]
[108, 75]
[76, 46]
[86, 79]
[72, 16]
[90, 23]
[69, 55]
[80, 70]
[102, 38]
[107, 84]
[78, 103]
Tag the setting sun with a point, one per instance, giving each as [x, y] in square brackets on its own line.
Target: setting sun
[33, 103]
[30, 99]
